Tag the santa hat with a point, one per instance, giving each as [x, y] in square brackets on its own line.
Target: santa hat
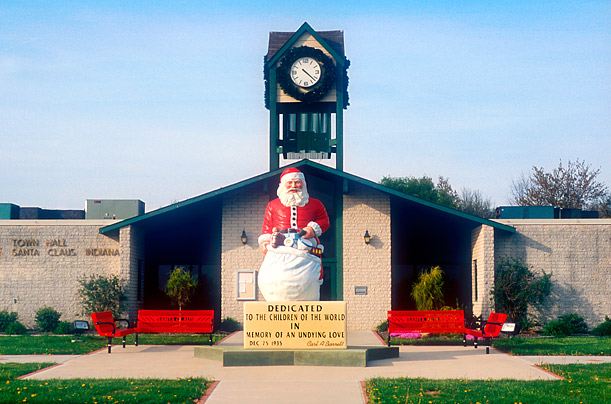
[291, 174]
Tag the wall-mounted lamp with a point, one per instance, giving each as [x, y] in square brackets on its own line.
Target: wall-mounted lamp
[243, 237]
[367, 237]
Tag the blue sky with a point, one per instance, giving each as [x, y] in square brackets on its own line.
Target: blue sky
[162, 101]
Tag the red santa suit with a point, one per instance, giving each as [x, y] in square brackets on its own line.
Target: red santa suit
[313, 214]
[291, 272]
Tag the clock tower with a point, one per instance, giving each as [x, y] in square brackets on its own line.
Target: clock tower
[306, 91]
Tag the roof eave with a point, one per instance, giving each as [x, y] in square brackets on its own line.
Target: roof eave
[305, 27]
[110, 229]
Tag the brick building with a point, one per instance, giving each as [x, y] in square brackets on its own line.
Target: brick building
[42, 260]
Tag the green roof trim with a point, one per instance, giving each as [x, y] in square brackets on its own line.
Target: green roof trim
[305, 27]
[116, 226]
[187, 202]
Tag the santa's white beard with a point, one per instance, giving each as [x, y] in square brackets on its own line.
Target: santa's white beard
[299, 198]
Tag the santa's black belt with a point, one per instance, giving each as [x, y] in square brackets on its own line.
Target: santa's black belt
[300, 232]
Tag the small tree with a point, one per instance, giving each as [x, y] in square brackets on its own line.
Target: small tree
[573, 187]
[428, 289]
[424, 188]
[101, 293]
[515, 287]
[180, 287]
[442, 193]
[474, 203]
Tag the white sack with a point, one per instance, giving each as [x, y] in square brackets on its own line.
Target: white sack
[289, 274]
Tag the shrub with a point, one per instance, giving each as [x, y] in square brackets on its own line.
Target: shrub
[63, 328]
[101, 293]
[383, 326]
[47, 318]
[6, 319]
[16, 328]
[567, 324]
[576, 323]
[603, 329]
[515, 287]
[229, 324]
[428, 289]
[556, 328]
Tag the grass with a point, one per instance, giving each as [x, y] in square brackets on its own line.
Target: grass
[49, 344]
[581, 384]
[94, 390]
[571, 346]
[586, 345]
[62, 344]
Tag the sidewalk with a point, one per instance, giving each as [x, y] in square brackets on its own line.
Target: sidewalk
[297, 384]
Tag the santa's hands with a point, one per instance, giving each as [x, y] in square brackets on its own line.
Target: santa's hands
[309, 232]
[263, 247]
[277, 238]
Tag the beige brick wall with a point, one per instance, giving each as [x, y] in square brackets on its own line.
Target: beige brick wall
[482, 255]
[41, 262]
[242, 210]
[578, 254]
[367, 265]
[132, 248]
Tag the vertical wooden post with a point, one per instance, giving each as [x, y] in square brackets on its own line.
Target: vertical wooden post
[339, 119]
[274, 121]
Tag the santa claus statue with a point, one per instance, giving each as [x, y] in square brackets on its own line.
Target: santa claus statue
[292, 268]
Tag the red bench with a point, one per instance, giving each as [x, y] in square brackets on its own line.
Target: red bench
[436, 322]
[156, 322]
[490, 329]
[106, 326]
[175, 322]
[443, 321]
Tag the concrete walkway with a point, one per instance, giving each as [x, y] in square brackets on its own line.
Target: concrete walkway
[296, 384]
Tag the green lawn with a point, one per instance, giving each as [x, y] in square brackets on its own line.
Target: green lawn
[582, 384]
[60, 344]
[595, 346]
[94, 390]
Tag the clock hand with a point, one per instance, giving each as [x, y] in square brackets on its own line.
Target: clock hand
[307, 73]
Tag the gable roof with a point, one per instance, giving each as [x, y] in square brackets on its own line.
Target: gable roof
[280, 42]
[113, 228]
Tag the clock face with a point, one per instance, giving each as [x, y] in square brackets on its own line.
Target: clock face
[305, 72]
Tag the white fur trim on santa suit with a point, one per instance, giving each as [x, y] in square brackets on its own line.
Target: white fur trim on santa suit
[316, 228]
[291, 174]
[264, 238]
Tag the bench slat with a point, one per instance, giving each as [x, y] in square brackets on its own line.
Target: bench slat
[175, 321]
[444, 321]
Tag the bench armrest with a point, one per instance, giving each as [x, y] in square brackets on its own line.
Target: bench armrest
[114, 327]
[482, 327]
